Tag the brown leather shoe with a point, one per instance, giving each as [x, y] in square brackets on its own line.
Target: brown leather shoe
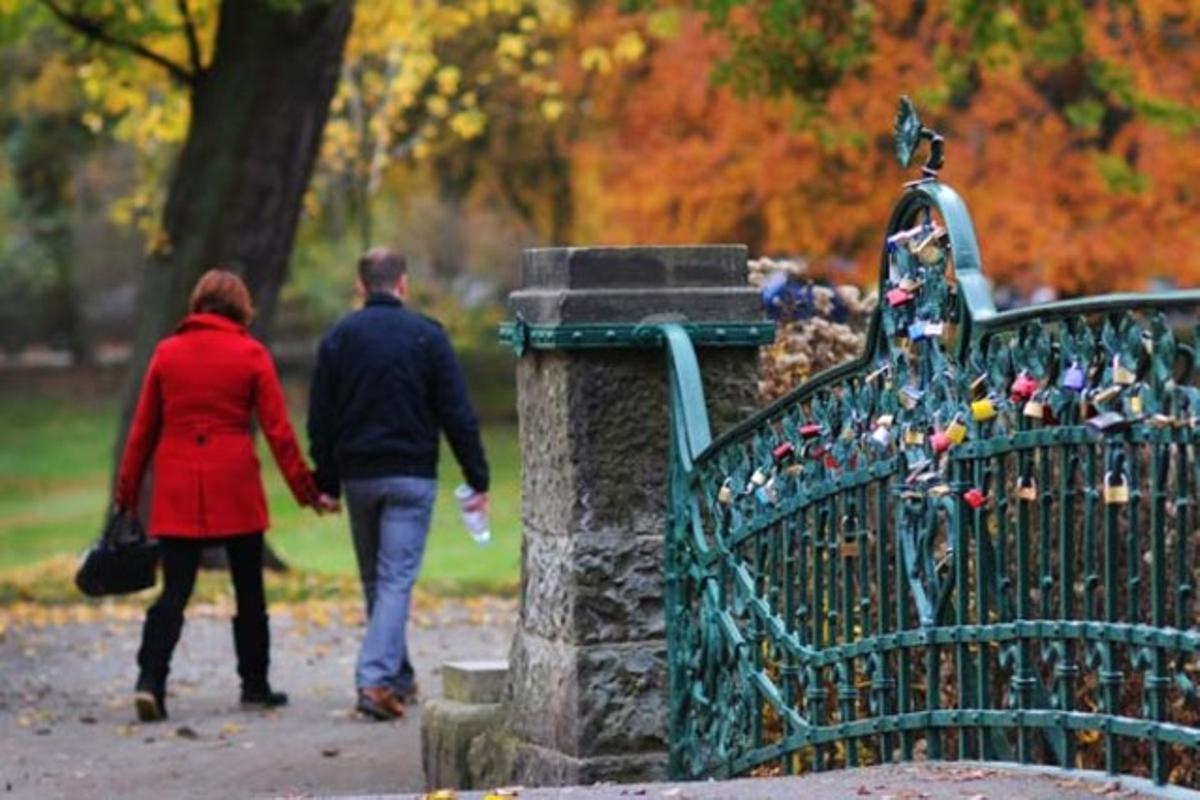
[380, 703]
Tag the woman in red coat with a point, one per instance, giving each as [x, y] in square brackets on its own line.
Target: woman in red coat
[202, 387]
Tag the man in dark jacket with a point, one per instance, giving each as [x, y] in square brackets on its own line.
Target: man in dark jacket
[386, 383]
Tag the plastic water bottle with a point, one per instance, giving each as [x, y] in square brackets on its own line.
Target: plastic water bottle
[476, 521]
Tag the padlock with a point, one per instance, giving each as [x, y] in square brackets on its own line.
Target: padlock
[810, 430]
[793, 469]
[939, 490]
[983, 410]
[1074, 379]
[766, 493]
[1136, 406]
[831, 461]
[1101, 396]
[913, 437]
[929, 253]
[1027, 488]
[1116, 493]
[935, 330]
[916, 331]
[898, 297]
[885, 420]
[909, 284]
[1109, 422]
[909, 396]
[1034, 409]
[784, 451]
[758, 478]
[975, 498]
[940, 442]
[956, 431]
[725, 494]
[881, 437]
[1161, 421]
[1023, 387]
[1122, 375]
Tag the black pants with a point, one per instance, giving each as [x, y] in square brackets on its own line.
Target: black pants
[164, 619]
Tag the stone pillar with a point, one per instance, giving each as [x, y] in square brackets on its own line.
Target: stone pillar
[587, 696]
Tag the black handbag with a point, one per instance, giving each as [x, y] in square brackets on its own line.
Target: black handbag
[123, 561]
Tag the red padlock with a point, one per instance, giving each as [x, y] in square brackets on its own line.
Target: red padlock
[830, 461]
[940, 442]
[784, 451]
[1023, 387]
[975, 498]
[810, 430]
[898, 297]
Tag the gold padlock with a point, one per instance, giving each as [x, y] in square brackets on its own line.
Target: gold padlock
[1122, 375]
[1034, 410]
[956, 431]
[983, 410]
[1027, 489]
[914, 437]
[1116, 493]
[792, 470]
[725, 494]
[1135, 405]
[1106, 394]
[940, 490]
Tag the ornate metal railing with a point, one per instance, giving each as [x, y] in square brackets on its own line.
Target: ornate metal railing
[978, 540]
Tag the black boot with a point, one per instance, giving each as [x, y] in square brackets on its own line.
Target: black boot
[252, 641]
[160, 634]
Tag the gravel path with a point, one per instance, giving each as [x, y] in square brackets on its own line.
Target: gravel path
[67, 728]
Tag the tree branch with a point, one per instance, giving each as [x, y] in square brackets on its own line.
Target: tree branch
[94, 29]
[189, 30]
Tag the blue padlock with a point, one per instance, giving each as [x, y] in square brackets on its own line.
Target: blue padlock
[1073, 379]
[916, 331]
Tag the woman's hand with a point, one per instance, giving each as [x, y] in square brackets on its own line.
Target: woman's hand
[327, 505]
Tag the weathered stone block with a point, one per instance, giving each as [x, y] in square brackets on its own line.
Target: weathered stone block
[475, 681]
[447, 730]
[588, 700]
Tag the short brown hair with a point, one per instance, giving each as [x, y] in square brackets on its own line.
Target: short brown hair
[380, 268]
[220, 291]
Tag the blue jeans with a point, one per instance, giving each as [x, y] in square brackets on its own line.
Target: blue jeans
[389, 520]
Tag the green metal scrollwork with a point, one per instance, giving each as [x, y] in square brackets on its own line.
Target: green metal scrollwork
[977, 538]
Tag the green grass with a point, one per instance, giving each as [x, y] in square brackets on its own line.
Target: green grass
[54, 474]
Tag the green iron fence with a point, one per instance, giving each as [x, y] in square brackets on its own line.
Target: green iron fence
[978, 540]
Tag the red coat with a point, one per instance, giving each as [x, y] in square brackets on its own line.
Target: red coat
[193, 417]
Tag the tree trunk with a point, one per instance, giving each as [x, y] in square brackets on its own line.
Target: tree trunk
[235, 196]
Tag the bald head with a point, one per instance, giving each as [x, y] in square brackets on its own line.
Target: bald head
[381, 269]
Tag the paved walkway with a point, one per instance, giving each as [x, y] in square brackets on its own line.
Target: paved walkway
[963, 781]
[67, 728]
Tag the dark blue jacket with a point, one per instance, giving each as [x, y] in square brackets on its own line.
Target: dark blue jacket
[386, 382]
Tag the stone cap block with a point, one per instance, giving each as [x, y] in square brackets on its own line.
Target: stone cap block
[475, 681]
[613, 285]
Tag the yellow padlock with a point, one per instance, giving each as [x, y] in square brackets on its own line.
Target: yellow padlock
[1122, 375]
[1027, 489]
[1135, 405]
[1034, 410]
[956, 432]
[725, 494]
[1106, 394]
[913, 437]
[1116, 493]
[983, 410]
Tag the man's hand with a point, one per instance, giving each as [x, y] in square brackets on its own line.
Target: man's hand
[327, 504]
[478, 502]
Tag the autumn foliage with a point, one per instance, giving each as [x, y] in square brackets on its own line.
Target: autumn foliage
[1087, 189]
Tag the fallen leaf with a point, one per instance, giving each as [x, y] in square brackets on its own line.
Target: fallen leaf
[231, 728]
[185, 732]
[331, 752]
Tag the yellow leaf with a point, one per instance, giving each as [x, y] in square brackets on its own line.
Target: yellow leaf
[629, 47]
[552, 109]
[596, 59]
[468, 124]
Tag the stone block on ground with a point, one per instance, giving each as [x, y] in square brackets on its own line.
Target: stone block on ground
[447, 729]
[475, 681]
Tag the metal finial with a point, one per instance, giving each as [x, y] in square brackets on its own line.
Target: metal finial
[910, 132]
